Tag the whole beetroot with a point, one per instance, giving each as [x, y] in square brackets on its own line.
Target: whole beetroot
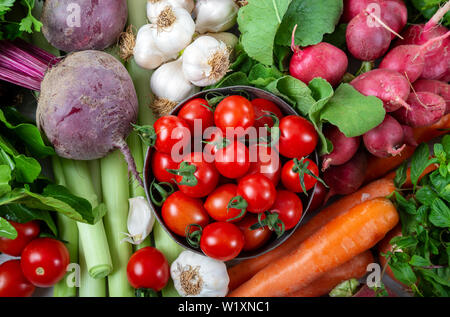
[86, 106]
[343, 147]
[385, 140]
[75, 25]
[435, 86]
[426, 109]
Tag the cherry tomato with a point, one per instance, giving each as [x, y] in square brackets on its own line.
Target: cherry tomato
[44, 261]
[258, 191]
[320, 192]
[197, 109]
[217, 202]
[25, 233]
[160, 163]
[12, 281]
[261, 108]
[234, 112]
[233, 161]
[196, 177]
[148, 268]
[266, 161]
[179, 211]
[289, 208]
[222, 241]
[291, 173]
[254, 238]
[214, 141]
[170, 131]
[298, 137]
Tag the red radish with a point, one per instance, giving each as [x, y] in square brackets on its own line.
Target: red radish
[343, 147]
[321, 60]
[347, 178]
[437, 87]
[426, 109]
[386, 139]
[386, 84]
[409, 60]
[87, 101]
[408, 132]
[436, 58]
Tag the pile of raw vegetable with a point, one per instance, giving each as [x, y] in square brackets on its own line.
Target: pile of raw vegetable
[368, 80]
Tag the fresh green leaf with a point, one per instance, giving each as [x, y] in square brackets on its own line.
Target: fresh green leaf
[353, 113]
[417, 260]
[7, 230]
[440, 214]
[258, 22]
[5, 178]
[234, 79]
[345, 289]
[27, 169]
[260, 76]
[403, 272]
[419, 162]
[400, 175]
[404, 243]
[426, 195]
[312, 20]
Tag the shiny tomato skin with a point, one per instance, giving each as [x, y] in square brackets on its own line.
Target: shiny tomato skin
[148, 268]
[206, 174]
[233, 161]
[12, 281]
[199, 109]
[179, 211]
[298, 137]
[44, 261]
[161, 162]
[260, 107]
[291, 180]
[171, 130]
[234, 112]
[256, 238]
[266, 161]
[216, 204]
[25, 233]
[258, 191]
[289, 208]
[213, 140]
[222, 241]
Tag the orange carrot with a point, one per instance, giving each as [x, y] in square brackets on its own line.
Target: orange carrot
[378, 167]
[243, 271]
[355, 268]
[337, 242]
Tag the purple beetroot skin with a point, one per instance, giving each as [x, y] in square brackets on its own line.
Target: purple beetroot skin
[343, 147]
[388, 85]
[86, 106]
[347, 178]
[426, 109]
[385, 140]
[75, 25]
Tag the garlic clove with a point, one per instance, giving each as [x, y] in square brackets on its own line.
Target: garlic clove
[215, 15]
[140, 220]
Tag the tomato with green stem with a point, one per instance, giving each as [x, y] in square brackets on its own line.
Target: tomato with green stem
[179, 211]
[195, 176]
[44, 261]
[254, 238]
[298, 137]
[233, 160]
[170, 131]
[12, 281]
[148, 268]
[25, 233]
[300, 175]
[262, 108]
[256, 191]
[235, 112]
[161, 162]
[216, 204]
[222, 241]
[288, 207]
[197, 109]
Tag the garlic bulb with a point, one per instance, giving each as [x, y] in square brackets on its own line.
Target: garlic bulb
[188, 5]
[172, 28]
[206, 61]
[229, 39]
[170, 86]
[140, 220]
[215, 15]
[195, 275]
[145, 52]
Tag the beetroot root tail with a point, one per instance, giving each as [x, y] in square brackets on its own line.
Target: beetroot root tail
[125, 150]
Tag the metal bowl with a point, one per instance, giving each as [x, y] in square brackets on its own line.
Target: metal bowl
[252, 93]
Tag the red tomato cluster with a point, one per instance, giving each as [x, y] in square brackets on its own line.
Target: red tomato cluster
[244, 180]
[43, 261]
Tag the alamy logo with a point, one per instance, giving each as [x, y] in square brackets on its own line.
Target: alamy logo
[74, 17]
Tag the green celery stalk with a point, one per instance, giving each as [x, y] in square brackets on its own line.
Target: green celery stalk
[114, 176]
[68, 231]
[97, 253]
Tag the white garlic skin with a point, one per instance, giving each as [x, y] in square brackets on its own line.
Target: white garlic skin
[168, 82]
[212, 272]
[145, 52]
[197, 57]
[188, 5]
[140, 220]
[215, 15]
[228, 38]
